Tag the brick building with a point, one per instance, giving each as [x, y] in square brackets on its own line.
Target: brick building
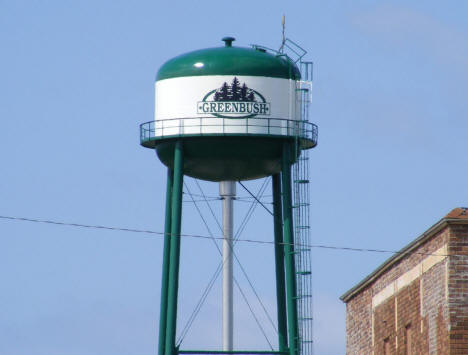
[417, 301]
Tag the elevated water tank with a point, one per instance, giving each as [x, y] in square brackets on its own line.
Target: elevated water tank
[233, 108]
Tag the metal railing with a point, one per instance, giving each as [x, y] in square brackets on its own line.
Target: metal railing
[208, 126]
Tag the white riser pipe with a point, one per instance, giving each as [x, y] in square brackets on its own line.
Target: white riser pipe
[227, 191]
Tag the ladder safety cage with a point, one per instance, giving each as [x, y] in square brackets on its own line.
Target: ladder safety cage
[301, 214]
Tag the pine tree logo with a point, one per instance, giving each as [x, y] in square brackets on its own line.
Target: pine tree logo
[234, 101]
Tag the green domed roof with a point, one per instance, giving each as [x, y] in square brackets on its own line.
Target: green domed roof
[229, 60]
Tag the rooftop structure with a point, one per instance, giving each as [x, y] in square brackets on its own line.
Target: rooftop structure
[416, 302]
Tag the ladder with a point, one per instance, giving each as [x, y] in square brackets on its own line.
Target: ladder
[301, 210]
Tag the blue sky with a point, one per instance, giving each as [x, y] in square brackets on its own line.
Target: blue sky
[77, 77]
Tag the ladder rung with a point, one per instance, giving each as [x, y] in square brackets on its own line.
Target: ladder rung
[303, 272]
[306, 318]
[301, 181]
[304, 204]
[303, 227]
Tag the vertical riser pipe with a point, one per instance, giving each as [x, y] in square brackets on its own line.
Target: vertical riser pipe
[227, 191]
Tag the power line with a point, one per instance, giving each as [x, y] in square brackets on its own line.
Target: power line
[218, 198]
[254, 241]
[208, 200]
[246, 199]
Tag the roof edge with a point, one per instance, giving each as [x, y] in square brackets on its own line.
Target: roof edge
[441, 224]
[229, 61]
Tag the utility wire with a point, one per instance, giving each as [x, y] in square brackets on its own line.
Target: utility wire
[217, 197]
[209, 200]
[247, 201]
[255, 241]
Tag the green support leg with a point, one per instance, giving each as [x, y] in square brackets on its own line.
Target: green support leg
[165, 267]
[173, 284]
[279, 265]
[288, 233]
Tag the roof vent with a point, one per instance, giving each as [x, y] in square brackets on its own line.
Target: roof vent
[228, 41]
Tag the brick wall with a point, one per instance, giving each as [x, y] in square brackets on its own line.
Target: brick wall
[399, 322]
[434, 309]
[416, 302]
[384, 327]
[359, 318]
[409, 298]
[458, 290]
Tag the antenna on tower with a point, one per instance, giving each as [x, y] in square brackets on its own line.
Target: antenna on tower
[283, 24]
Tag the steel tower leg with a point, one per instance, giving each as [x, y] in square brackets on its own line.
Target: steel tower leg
[165, 267]
[288, 233]
[227, 191]
[279, 265]
[173, 282]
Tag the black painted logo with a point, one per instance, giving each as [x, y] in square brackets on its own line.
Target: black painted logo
[234, 101]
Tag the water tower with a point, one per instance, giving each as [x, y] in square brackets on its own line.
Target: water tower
[230, 114]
